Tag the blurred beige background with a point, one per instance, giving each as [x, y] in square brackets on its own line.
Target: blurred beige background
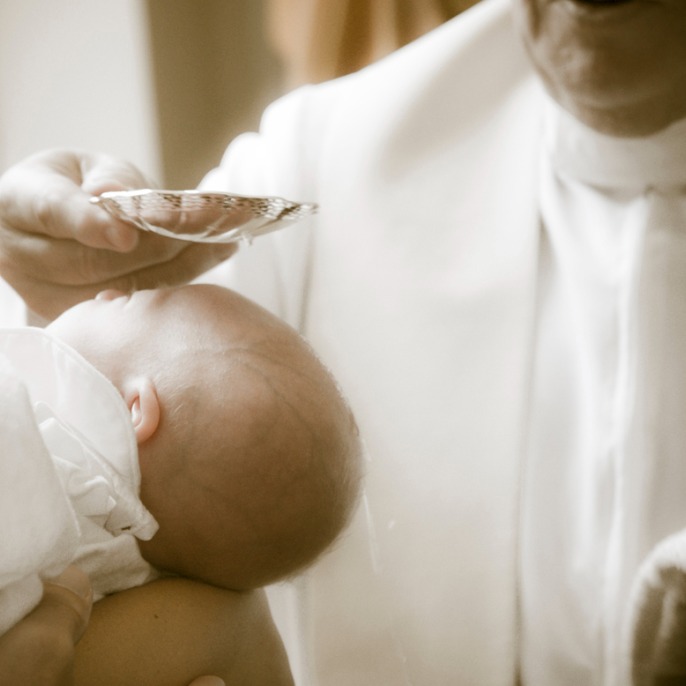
[75, 73]
[168, 83]
[213, 75]
[164, 83]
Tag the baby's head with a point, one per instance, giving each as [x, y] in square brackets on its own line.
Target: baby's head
[249, 456]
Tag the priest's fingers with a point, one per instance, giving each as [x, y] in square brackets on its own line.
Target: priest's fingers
[49, 292]
[39, 650]
[49, 194]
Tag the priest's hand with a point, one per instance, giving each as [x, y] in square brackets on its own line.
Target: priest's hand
[39, 650]
[58, 249]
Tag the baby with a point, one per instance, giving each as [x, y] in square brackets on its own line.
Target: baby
[249, 456]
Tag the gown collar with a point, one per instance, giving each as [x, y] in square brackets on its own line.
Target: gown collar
[655, 162]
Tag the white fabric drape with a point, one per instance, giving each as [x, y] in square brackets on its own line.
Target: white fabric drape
[69, 474]
[605, 475]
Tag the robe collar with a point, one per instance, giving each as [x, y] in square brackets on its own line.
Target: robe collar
[656, 162]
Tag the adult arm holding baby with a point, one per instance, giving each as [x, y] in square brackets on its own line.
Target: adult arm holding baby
[44, 648]
[172, 630]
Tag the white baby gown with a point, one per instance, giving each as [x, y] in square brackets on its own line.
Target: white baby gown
[69, 474]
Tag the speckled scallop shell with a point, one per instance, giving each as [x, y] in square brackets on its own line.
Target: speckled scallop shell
[203, 217]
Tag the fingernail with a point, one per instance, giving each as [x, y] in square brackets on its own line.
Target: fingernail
[75, 580]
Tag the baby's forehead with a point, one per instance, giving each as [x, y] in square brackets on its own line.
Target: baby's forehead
[202, 313]
[218, 324]
[212, 296]
[195, 303]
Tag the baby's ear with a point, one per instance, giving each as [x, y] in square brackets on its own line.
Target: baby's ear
[140, 395]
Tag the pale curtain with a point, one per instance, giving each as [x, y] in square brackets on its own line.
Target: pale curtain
[322, 39]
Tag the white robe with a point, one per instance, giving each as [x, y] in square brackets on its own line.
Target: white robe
[605, 476]
[417, 284]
